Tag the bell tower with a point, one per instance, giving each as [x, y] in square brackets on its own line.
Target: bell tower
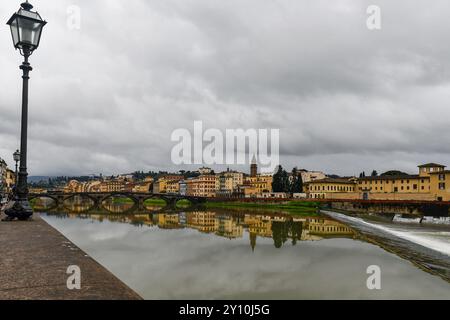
[254, 168]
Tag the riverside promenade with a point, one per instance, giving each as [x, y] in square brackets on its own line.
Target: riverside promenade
[34, 258]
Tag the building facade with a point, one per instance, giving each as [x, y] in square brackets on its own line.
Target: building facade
[324, 188]
[432, 183]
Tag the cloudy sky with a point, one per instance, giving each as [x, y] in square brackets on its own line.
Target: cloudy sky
[106, 97]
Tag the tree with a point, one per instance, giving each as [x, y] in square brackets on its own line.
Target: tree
[297, 182]
[362, 175]
[281, 181]
[374, 173]
[393, 173]
[276, 183]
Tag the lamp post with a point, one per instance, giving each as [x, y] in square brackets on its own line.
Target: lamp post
[26, 28]
[16, 157]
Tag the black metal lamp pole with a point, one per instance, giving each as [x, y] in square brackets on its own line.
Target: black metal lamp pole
[26, 28]
[22, 184]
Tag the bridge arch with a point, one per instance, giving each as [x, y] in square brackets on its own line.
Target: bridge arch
[81, 195]
[55, 201]
[112, 195]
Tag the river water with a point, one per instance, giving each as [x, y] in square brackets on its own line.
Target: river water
[217, 254]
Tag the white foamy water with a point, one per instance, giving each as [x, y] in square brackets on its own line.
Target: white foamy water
[438, 241]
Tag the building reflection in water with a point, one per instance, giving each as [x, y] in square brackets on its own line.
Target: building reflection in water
[281, 228]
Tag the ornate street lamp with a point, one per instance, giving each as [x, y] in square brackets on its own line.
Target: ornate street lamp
[26, 28]
[16, 157]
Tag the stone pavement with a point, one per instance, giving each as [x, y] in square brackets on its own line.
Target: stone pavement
[34, 258]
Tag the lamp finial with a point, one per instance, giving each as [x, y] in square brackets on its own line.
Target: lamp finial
[26, 5]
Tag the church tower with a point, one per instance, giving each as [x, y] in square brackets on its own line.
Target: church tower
[254, 168]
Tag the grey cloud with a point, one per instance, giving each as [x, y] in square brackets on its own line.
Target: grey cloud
[107, 97]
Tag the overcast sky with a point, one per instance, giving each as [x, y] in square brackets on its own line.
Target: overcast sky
[106, 98]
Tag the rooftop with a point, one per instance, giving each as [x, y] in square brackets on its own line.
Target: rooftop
[393, 177]
[333, 180]
[432, 165]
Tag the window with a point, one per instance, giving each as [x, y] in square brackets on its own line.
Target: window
[442, 186]
[415, 186]
[442, 177]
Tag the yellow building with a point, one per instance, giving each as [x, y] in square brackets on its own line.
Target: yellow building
[424, 186]
[144, 186]
[247, 191]
[237, 178]
[10, 180]
[173, 187]
[394, 184]
[440, 184]
[161, 185]
[323, 188]
[224, 186]
[112, 185]
[202, 186]
[430, 184]
[261, 183]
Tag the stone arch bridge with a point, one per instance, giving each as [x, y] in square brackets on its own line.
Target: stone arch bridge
[98, 198]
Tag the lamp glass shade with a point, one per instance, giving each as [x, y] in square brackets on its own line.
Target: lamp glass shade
[16, 156]
[26, 29]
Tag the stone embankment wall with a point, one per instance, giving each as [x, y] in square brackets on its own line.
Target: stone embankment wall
[381, 196]
[414, 209]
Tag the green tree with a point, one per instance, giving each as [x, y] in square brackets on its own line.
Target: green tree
[276, 183]
[297, 182]
[281, 181]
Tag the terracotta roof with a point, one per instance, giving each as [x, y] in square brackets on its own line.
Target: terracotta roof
[432, 165]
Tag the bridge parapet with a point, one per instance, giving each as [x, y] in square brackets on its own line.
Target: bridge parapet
[99, 197]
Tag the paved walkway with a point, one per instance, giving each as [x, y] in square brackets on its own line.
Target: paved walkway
[34, 258]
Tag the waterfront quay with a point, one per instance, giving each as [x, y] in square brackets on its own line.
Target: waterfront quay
[34, 262]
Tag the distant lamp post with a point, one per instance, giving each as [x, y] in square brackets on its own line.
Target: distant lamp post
[16, 157]
[26, 29]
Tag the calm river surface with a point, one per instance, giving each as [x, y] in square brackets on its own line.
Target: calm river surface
[254, 255]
